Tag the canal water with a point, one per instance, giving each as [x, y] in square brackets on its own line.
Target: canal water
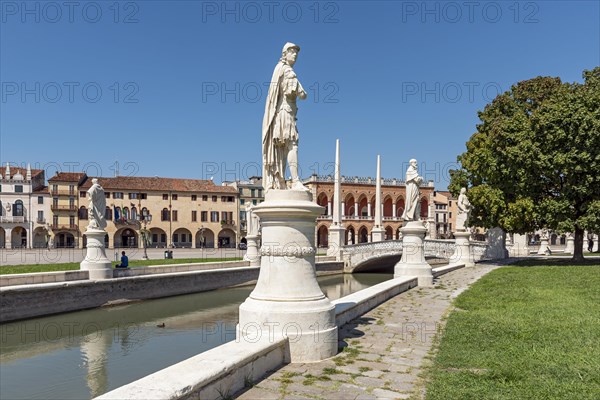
[84, 354]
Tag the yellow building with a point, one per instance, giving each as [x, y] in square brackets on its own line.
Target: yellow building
[189, 213]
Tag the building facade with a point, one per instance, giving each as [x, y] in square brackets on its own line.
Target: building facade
[24, 208]
[358, 206]
[250, 192]
[181, 213]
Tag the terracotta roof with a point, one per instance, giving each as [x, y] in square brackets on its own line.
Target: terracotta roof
[67, 177]
[158, 184]
[22, 171]
[41, 189]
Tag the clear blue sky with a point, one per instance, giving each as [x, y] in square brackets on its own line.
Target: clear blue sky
[183, 90]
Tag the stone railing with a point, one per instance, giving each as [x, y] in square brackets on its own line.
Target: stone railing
[385, 246]
[479, 251]
[12, 219]
[439, 248]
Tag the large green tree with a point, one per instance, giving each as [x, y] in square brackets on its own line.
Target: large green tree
[534, 161]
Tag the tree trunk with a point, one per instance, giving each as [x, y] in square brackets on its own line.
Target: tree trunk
[578, 252]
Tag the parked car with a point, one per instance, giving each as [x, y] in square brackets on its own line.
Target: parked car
[243, 246]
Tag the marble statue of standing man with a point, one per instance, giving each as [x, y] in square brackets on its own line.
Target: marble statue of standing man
[279, 131]
[464, 210]
[413, 181]
[97, 206]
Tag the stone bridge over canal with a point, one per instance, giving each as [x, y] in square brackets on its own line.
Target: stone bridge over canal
[382, 256]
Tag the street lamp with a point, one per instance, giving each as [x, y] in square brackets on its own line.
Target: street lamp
[145, 219]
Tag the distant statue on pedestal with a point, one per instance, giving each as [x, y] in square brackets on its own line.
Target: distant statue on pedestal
[464, 211]
[279, 131]
[252, 222]
[97, 206]
[413, 181]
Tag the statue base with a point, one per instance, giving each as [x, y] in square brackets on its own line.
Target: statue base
[96, 262]
[462, 254]
[543, 247]
[336, 239]
[570, 248]
[413, 261]
[378, 234]
[252, 253]
[287, 300]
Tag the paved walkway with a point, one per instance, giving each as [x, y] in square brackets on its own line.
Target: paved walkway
[383, 350]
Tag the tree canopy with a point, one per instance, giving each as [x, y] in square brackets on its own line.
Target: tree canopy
[534, 161]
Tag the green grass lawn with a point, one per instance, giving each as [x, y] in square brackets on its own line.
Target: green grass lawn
[522, 333]
[28, 268]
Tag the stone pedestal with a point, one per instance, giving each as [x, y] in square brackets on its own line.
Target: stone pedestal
[462, 254]
[336, 239]
[595, 247]
[287, 300]
[570, 248]
[95, 259]
[413, 254]
[378, 234]
[543, 246]
[252, 251]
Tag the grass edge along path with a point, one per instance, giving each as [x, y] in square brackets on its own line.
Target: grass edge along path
[33, 268]
[522, 333]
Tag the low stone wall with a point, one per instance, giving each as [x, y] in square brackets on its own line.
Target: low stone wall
[356, 304]
[173, 268]
[42, 277]
[34, 300]
[27, 301]
[215, 374]
[444, 270]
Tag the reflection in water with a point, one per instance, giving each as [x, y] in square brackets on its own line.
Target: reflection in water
[84, 354]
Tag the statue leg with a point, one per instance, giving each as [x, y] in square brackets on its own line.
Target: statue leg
[292, 157]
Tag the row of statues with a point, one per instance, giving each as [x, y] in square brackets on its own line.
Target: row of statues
[280, 150]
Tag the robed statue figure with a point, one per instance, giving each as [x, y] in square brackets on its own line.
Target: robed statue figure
[279, 131]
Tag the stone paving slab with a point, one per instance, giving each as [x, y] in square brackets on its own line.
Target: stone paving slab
[382, 352]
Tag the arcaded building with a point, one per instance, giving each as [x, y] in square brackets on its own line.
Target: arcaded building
[358, 206]
[181, 213]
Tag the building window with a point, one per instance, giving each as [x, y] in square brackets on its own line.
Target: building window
[174, 197]
[71, 201]
[242, 215]
[214, 199]
[71, 221]
[55, 202]
[241, 191]
[194, 197]
[254, 202]
[223, 199]
[176, 237]
[18, 209]
[165, 196]
[83, 213]
[194, 216]
[450, 214]
[108, 214]
[18, 188]
[259, 192]
[55, 188]
[71, 189]
[204, 197]
[174, 215]
[214, 216]
[134, 196]
[203, 216]
[164, 215]
[252, 192]
[55, 220]
[82, 193]
[242, 201]
[107, 195]
[117, 195]
[40, 199]
[143, 196]
[40, 218]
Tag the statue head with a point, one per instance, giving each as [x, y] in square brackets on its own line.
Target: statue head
[463, 190]
[94, 181]
[290, 53]
[413, 163]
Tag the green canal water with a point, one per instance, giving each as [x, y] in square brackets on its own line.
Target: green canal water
[84, 354]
